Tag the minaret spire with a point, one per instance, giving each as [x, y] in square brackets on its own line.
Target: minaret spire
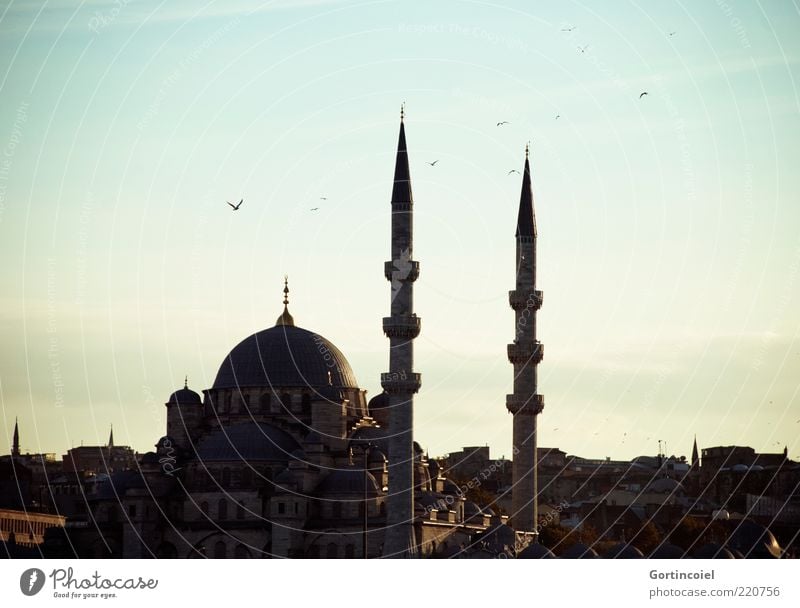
[15, 441]
[400, 382]
[285, 318]
[525, 353]
[111, 437]
[695, 453]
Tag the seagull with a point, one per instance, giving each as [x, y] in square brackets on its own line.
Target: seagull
[643, 94]
[512, 171]
[558, 116]
[672, 33]
[582, 49]
[315, 209]
[433, 163]
[323, 198]
[236, 206]
[504, 122]
[568, 29]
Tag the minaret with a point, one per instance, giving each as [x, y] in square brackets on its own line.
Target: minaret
[111, 436]
[525, 354]
[695, 455]
[15, 441]
[401, 383]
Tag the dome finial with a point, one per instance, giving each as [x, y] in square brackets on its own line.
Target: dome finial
[528, 149]
[285, 318]
[186, 381]
[402, 111]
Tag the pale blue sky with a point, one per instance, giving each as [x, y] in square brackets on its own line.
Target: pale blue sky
[669, 245]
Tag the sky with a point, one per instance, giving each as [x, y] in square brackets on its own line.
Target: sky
[669, 223]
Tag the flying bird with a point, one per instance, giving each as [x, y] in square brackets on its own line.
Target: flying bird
[512, 171]
[643, 94]
[672, 33]
[236, 206]
[433, 163]
[582, 49]
[567, 29]
[323, 198]
[504, 122]
[315, 209]
[558, 116]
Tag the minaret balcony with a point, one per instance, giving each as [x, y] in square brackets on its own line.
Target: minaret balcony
[521, 299]
[532, 352]
[525, 404]
[405, 326]
[401, 383]
[406, 271]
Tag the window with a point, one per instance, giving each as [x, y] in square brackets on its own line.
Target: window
[305, 404]
[286, 400]
[222, 509]
[132, 510]
[240, 511]
[241, 552]
[349, 551]
[220, 551]
[263, 403]
[226, 477]
[281, 508]
[204, 507]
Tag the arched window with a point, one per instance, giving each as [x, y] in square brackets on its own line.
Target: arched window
[349, 551]
[222, 509]
[220, 551]
[263, 402]
[247, 477]
[305, 403]
[240, 511]
[204, 507]
[286, 400]
[241, 552]
[332, 552]
[246, 403]
[226, 477]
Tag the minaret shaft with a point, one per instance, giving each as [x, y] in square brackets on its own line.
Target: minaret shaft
[525, 353]
[401, 383]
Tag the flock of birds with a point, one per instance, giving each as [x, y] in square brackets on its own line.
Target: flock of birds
[502, 123]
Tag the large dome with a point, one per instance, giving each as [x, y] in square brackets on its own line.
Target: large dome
[285, 356]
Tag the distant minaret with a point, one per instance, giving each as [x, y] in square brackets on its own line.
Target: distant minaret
[695, 454]
[525, 354]
[401, 383]
[111, 437]
[15, 442]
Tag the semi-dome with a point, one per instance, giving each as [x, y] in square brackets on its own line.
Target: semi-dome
[285, 356]
[248, 442]
[349, 481]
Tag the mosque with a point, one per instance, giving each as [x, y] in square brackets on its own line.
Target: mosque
[284, 456]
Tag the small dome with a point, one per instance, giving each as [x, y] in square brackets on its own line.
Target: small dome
[754, 541]
[284, 477]
[740, 468]
[379, 401]
[623, 551]
[185, 396]
[536, 551]
[668, 551]
[450, 487]
[713, 551]
[579, 551]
